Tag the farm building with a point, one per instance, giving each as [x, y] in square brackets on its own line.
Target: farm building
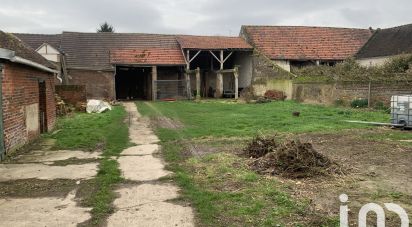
[386, 44]
[150, 66]
[27, 91]
[297, 46]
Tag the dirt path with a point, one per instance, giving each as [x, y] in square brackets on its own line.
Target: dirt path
[146, 201]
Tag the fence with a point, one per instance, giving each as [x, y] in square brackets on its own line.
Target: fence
[171, 89]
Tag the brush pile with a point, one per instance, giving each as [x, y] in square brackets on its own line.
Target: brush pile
[292, 158]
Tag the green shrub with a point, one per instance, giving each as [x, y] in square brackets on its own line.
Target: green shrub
[359, 103]
[400, 64]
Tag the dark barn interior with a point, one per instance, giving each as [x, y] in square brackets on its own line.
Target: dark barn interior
[208, 66]
[133, 83]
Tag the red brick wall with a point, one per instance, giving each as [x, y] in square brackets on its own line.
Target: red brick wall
[99, 84]
[72, 94]
[21, 88]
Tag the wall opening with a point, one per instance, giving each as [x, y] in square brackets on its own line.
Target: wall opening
[42, 107]
[133, 83]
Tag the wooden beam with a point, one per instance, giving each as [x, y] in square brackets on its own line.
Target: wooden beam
[188, 89]
[184, 57]
[188, 62]
[190, 71]
[236, 74]
[154, 84]
[225, 71]
[214, 56]
[230, 54]
[198, 83]
[221, 60]
[195, 56]
[219, 78]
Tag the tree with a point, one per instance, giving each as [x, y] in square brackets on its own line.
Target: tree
[105, 27]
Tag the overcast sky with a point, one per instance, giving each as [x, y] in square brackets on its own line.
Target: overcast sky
[203, 17]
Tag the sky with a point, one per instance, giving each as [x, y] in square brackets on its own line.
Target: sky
[197, 17]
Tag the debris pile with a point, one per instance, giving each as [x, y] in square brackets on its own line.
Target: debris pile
[260, 146]
[61, 107]
[292, 158]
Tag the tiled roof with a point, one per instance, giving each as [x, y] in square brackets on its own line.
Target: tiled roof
[36, 40]
[306, 43]
[388, 42]
[11, 42]
[147, 56]
[212, 42]
[91, 50]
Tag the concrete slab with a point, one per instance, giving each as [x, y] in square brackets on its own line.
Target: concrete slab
[42, 212]
[40, 171]
[146, 193]
[50, 156]
[153, 214]
[147, 149]
[145, 205]
[142, 168]
[141, 138]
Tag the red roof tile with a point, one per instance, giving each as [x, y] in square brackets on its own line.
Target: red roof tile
[147, 56]
[307, 43]
[212, 42]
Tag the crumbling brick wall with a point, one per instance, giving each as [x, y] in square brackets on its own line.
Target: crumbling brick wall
[267, 76]
[72, 94]
[99, 84]
[20, 90]
[328, 93]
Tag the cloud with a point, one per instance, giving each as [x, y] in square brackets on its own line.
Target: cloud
[206, 17]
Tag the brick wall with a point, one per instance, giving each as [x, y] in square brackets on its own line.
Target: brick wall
[21, 90]
[99, 84]
[72, 94]
[328, 93]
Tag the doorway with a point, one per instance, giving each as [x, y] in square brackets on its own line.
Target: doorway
[42, 106]
[133, 83]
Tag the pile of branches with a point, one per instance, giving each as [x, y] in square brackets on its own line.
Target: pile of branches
[291, 158]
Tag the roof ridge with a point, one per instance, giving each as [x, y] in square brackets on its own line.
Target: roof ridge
[399, 26]
[120, 33]
[18, 33]
[302, 26]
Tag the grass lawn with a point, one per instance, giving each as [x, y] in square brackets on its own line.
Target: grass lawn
[89, 132]
[225, 119]
[221, 188]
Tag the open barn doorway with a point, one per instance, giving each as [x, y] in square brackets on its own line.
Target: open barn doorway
[133, 83]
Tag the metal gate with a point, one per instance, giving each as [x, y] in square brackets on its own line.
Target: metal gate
[171, 89]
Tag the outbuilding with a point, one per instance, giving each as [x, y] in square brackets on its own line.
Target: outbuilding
[27, 93]
[385, 44]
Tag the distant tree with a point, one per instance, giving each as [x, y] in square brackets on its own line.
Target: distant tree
[105, 27]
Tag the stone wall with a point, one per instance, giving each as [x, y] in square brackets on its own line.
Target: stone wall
[21, 104]
[269, 76]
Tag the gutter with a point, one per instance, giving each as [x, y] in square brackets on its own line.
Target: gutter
[11, 56]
